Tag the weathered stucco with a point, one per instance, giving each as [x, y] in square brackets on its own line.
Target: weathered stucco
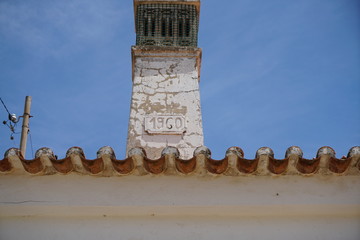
[165, 83]
[179, 207]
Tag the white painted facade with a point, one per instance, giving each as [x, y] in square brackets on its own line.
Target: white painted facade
[179, 207]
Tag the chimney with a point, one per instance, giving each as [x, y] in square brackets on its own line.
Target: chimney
[165, 104]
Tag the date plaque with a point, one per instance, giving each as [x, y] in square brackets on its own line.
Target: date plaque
[165, 124]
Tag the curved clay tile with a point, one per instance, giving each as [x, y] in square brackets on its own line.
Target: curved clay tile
[123, 166]
[63, 165]
[185, 166]
[5, 165]
[307, 166]
[154, 166]
[278, 166]
[33, 166]
[76, 151]
[325, 151]
[93, 166]
[188, 166]
[170, 151]
[75, 161]
[12, 152]
[251, 165]
[294, 150]
[106, 150]
[202, 150]
[45, 151]
[137, 151]
[264, 151]
[247, 165]
[236, 151]
[213, 166]
[217, 166]
[339, 165]
[354, 151]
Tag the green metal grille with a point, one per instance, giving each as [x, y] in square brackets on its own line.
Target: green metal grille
[166, 25]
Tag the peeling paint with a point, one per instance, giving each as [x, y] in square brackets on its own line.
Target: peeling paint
[165, 84]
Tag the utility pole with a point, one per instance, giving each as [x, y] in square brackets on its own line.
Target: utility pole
[25, 126]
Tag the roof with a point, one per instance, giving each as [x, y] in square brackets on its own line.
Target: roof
[233, 164]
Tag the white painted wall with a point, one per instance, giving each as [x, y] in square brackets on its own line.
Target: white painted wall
[180, 228]
[179, 207]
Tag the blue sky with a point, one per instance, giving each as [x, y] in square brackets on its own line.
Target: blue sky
[274, 73]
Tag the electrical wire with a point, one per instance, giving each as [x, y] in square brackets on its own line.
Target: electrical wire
[31, 144]
[5, 106]
[10, 125]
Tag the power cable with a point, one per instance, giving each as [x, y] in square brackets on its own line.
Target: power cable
[31, 144]
[5, 107]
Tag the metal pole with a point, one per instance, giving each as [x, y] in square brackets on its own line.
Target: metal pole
[25, 125]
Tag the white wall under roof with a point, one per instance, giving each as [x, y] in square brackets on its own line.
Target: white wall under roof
[179, 207]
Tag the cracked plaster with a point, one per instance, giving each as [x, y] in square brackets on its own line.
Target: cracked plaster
[165, 86]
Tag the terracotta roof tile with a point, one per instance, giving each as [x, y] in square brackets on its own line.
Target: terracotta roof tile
[63, 165]
[233, 164]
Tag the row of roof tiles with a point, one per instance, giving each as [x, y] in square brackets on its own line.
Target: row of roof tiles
[234, 163]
